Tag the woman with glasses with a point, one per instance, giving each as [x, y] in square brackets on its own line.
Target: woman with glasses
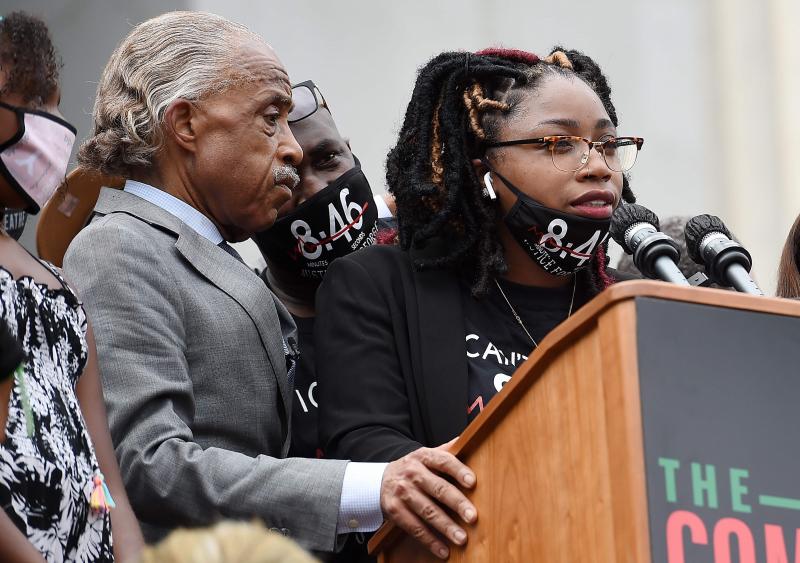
[506, 172]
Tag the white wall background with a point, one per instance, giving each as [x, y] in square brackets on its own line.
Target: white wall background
[711, 85]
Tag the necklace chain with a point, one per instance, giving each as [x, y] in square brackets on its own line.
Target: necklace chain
[519, 319]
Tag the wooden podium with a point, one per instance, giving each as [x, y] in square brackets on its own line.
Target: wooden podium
[648, 427]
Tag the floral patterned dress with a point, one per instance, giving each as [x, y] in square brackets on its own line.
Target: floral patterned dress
[47, 468]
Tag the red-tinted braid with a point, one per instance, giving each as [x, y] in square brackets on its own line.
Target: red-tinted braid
[603, 277]
[510, 54]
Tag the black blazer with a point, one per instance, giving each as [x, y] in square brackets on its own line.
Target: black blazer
[391, 355]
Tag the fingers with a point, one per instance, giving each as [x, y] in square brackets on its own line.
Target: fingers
[415, 497]
[445, 493]
[446, 463]
[421, 502]
[411, 524]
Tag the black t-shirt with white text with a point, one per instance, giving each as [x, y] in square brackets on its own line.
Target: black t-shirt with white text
[496, 343]
[305, 414]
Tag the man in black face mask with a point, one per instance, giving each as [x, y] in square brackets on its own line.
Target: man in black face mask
[331, 214]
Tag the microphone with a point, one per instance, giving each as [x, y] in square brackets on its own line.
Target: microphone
[727, 262]
[635, 228]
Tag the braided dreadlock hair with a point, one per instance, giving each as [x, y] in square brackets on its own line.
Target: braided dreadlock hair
[459, 102]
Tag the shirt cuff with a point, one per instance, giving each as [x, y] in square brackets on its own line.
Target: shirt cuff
[360, 505]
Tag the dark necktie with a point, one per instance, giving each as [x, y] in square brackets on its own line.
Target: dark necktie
[230, 250]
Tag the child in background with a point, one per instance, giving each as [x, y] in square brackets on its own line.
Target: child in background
[57, 465]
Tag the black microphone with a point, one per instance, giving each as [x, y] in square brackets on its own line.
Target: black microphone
[635, 228]
[727, 262]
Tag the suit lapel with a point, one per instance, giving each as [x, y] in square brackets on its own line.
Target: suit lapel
[442, 379]
[219, 268]
[242, 285]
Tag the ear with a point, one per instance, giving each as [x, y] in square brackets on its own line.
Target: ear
[484, 177]
[180, 122]
[479, 167]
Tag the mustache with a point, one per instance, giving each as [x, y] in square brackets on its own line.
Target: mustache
[286, 175]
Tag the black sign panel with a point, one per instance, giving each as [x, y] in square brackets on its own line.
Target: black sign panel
[720, 395]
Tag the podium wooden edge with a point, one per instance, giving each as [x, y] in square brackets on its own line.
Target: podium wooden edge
[559, 337]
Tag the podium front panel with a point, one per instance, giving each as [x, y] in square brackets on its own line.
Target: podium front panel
[720, 390]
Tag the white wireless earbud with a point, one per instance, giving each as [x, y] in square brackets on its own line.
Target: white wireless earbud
[488, 191]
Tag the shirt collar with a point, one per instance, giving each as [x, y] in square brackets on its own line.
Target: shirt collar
[198, 222]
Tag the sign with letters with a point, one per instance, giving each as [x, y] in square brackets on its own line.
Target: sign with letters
[721, 433]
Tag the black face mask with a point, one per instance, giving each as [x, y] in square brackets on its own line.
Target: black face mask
[14, 222]
[560, 243]
[339, 219]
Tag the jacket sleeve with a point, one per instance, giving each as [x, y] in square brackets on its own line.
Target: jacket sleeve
[364, 409]
[126, 281]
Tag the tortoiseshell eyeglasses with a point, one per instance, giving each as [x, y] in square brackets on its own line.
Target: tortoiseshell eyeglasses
[570, 153]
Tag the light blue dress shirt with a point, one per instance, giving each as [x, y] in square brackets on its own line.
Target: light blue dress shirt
[199, 223]
[360, 503]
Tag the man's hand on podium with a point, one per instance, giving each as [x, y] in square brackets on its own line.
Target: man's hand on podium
[414, 492]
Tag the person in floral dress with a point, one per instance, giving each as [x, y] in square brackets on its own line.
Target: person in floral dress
[57, 465]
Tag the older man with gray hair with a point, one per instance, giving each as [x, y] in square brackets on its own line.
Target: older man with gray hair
[196, 353]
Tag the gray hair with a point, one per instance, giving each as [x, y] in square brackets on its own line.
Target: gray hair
[187, 55]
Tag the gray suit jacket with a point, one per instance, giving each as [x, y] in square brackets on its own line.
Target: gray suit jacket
[194, 377]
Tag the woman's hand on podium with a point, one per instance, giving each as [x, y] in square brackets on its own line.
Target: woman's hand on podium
[414, 492]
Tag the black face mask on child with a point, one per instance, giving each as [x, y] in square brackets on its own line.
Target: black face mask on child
[339, 219]
[14, 222]
[560, 243]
